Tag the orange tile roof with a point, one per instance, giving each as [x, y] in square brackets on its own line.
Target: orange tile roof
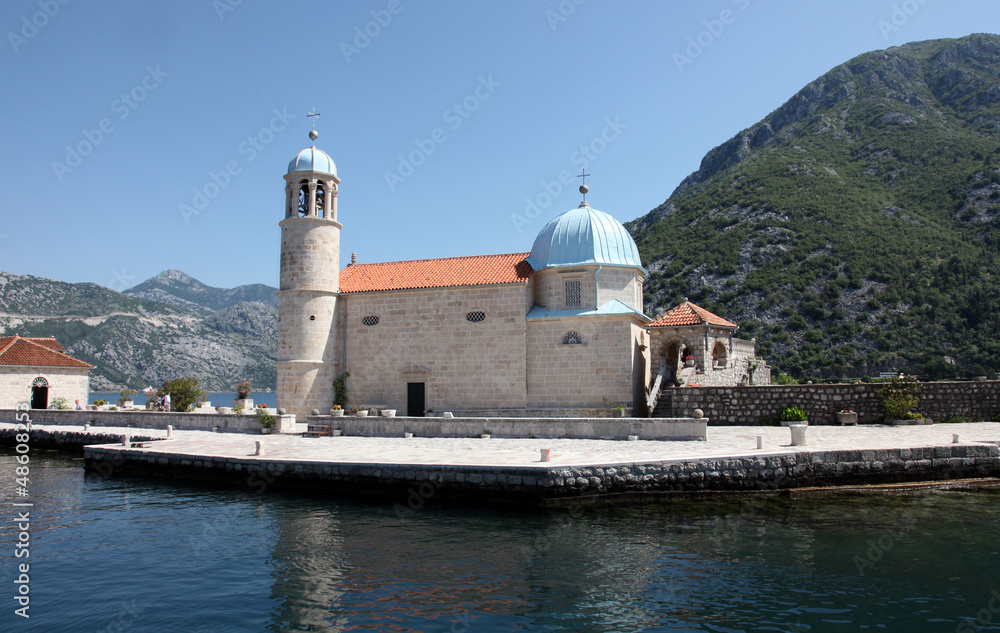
[48, 342]
[478, 270]
[688, 313]
[35, 352]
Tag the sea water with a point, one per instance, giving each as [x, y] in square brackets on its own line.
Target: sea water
[155, 556]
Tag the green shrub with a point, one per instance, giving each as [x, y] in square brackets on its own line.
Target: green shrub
[899, 398]
[266, 420]
[185, 393]
[784, 379]
[793, 414]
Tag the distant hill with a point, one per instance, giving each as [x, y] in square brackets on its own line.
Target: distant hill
[175, 288]
[857, 227]
[135, 341]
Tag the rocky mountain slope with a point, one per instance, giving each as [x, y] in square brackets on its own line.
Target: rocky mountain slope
[219, 336]
[857, 227]
[178, 289]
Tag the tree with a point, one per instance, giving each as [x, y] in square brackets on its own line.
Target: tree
[185, 393]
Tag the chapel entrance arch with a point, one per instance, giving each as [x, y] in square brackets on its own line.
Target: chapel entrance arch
[39, 393]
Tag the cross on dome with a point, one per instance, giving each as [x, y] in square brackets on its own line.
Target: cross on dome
[584, 188]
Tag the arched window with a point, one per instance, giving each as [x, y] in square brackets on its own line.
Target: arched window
[39, 382]
[303, 199]
[320, 200]
[720, 356]
[572, 338]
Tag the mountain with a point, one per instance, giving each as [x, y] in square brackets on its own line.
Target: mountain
[177, 289]
[135, 341]
[857, 227]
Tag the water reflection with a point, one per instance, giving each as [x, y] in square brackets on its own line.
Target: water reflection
[197, 558]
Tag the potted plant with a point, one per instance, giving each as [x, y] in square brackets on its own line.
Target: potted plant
[266, 420]
[793, 415]
[126, 398]
[243, 400]
[359, 410]
[847, 416]
[689, 360]
[337, 410]
[153, 396]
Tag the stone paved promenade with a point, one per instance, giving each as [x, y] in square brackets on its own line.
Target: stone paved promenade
[722, 442]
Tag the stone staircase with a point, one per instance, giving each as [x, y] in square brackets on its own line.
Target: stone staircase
[664, 404]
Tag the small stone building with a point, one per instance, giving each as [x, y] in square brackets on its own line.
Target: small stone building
[35, 370]
[695, 347]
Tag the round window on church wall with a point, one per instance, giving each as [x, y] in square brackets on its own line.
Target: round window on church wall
[476, 316]
[369, 320]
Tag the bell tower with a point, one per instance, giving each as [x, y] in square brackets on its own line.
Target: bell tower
[309, 283]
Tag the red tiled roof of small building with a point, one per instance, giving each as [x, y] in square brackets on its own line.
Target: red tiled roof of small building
[478, 270]
[688, 313]
[36, 352]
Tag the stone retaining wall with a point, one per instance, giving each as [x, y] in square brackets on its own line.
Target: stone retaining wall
[575, 428]
[141, 419]
[978, 400]
[413, 485]
[68, 441]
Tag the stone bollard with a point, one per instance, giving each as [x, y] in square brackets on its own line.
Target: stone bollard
[170, 430]
[954, 438]
[798, 434]
[760, 442]
[259, 448]
[545, 454]
[124, 440]
[698, 413]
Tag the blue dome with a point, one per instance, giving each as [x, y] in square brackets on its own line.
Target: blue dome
[312, 159]
[584, 236]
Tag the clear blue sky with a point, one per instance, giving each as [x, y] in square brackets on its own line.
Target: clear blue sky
[185, 89]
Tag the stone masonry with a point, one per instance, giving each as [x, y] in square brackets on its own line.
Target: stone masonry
[748, 405]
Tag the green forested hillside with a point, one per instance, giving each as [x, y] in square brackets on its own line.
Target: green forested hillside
[857, 227]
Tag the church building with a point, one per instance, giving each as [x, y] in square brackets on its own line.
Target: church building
[555, 332]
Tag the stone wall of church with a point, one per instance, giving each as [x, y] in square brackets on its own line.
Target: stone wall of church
[550, 286]
[64, 382]
[597, 287]
[425, 336]
[597, 373]
[620, 283]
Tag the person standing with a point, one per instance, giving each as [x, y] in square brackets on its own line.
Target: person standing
[166, 401]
